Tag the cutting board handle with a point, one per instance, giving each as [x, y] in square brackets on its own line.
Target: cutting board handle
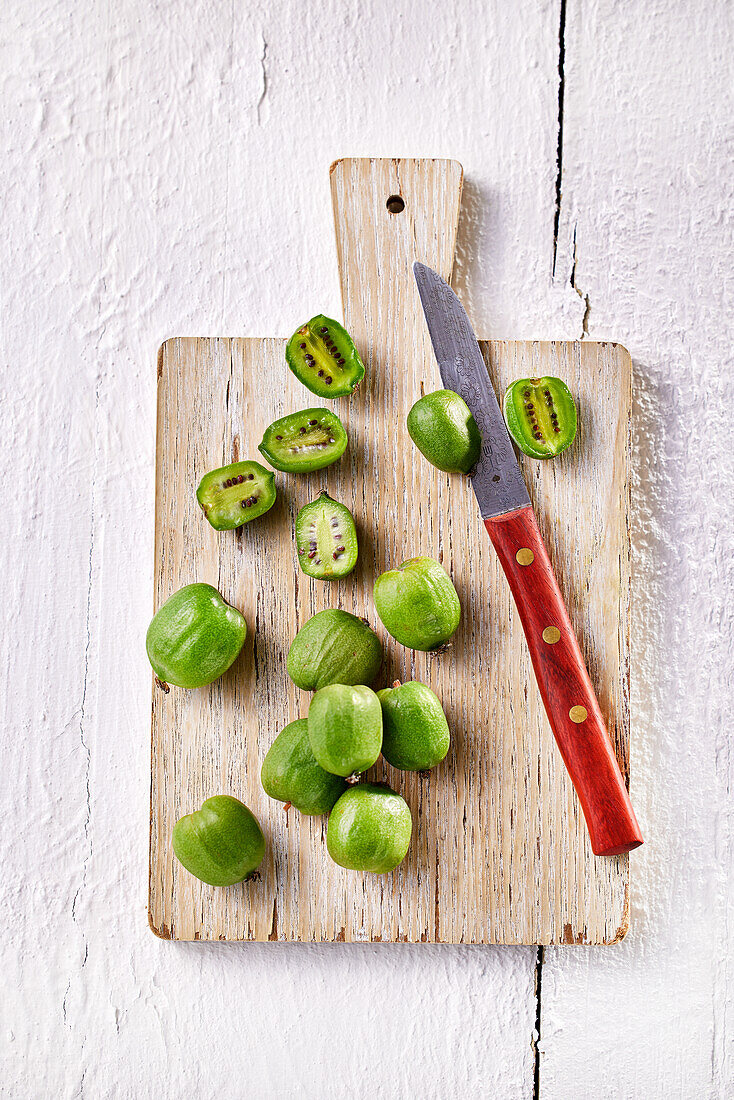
[389, 212]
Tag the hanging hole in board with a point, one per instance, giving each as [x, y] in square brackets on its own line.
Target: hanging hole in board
[395, 204]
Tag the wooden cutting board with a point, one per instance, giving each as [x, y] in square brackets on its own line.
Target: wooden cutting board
[500, 853]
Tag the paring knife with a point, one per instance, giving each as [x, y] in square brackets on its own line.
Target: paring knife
[504, 504]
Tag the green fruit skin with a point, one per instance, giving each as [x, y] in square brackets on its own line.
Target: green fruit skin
[221, 843]
[290, 772]
[418, 604]
[194, 637]
[369, 829]
[519, 429]
[334, 647]
[445, 432]
[415, 733]
[345, 728]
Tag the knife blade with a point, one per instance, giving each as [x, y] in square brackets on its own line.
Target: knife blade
[497, 480]
[504, 504]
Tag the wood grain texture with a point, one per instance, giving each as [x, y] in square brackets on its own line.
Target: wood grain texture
[500, 852]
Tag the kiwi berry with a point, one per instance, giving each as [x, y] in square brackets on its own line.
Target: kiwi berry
[236, 494]
[334, 647]
[290, 773]
[304, 441]
[326, 539]
[541, 415]
[322, 355]
[445, 432]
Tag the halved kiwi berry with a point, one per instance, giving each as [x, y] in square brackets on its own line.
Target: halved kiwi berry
[540, 415]
[322, 355]
[326, 539]
[236, 494]
[303, 441]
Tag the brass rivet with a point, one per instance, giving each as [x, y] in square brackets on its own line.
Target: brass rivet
[525, 556]
[578, 714]
[551, 634]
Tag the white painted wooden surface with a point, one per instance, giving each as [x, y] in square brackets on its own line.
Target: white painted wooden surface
[164, 171]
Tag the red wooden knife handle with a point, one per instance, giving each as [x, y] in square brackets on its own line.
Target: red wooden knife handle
[570, 700]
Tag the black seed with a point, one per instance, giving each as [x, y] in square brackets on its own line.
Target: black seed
[321, 374]
[335, 353]
[243, 503]
[556, 428]
[301, 551]
[340, 549]
[313, 421]
[335, 556]
[328, 383]
[340, 362]
[250, 477]
[312, 554]
[301, 345]
[279, 437]
[302, 431]
[323, 329]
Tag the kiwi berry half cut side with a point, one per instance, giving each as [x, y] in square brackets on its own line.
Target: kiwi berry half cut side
[326, 539]
[541, 415]
[304, 441]
[322, 355]
[236, 494]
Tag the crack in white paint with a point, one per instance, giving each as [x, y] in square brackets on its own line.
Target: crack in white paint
[264, 77]
[584, 297]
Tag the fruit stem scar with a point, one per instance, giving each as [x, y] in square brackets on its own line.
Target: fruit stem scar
[396, 683]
